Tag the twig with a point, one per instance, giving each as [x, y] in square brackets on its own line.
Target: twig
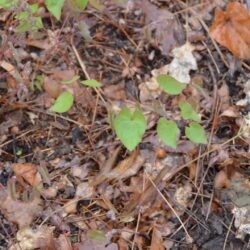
[136, 230]
[228, 231]
[170, 206]
[84, 69]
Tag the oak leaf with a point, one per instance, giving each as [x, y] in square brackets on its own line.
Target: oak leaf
[232, 29]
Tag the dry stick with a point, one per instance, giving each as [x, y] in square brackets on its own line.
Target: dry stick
[136, 230]
[212, 58]
[18, 137]
[80, 61]
[170, 206]
[228, 231]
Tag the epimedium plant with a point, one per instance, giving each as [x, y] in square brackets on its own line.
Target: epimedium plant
[65, 100]
[131, 126]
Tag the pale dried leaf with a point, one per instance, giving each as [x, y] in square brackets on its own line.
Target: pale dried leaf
[183, 62]
[17, 211]
[30, 238]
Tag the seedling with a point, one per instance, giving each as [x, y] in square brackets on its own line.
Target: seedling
[65, 100]
[130, 127]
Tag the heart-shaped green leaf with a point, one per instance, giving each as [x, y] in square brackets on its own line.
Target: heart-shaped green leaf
[55, 7]
[63, 103]
[168, 132]
[187, 112]
[196, 133]
[91, 83]
[130, 127]
[170, 84]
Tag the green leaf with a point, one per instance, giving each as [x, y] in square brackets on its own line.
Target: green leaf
[97, 235]
[187, 112]
[91, 83]
[73, 79]
[79, 4]
[34, 8]
[170, 84]
[7, 4]
[130, 127]
[196, 133]
[63, 103]
[55, 7]
[168, 132]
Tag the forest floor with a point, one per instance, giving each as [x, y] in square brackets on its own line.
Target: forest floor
[66, 180]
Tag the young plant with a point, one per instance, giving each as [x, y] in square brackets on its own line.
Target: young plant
[65, 100]
[130, 127]
[169, 133]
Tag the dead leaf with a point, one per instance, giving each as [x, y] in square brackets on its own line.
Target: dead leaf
[183, 194]
[62, 242]
[115, 92]
[11, 70]
[168, 31]
[156, 242]
[30, 238]
[52, 87]
[18, 211]
[183, 62]
[127, 168]
[223, 93]
[95, 245]
[232, 29]
[28, 172]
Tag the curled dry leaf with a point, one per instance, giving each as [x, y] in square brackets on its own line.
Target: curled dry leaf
[19, 212]
[27, 172]
[232, 29]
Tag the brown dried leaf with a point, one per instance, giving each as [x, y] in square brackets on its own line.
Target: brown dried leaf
[156, 242]
[27, 172]
[232, 29]
[168, 30]
[52, 87]
[17, 211]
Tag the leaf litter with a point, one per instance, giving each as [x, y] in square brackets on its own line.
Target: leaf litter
[67, 179]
